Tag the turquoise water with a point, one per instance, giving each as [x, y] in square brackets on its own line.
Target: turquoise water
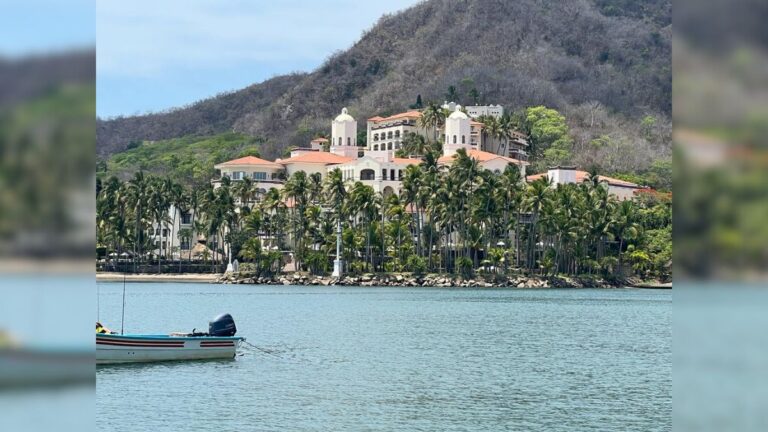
[397, 359]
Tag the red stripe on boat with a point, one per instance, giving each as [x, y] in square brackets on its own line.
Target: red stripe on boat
[141, 344]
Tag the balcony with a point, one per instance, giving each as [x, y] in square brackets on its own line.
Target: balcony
[216, 181]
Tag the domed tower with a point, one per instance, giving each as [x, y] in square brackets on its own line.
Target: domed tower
[457, 132]
[344, 135]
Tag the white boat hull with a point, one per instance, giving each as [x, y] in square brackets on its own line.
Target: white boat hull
[112, 349]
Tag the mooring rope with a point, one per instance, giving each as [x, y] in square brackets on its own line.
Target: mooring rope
[264, 350]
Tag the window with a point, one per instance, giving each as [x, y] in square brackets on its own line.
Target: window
[389, 146]
[454, 139]
[184, 245]
[389, 135]
[375, 137]
[397, 134]
[463, 139]
[375, 147]
[399, 174]
[383, 174]
[259, 175]
[391, 174]
[367, 174]
[349, 141]
[186, 218]
[157, 231]
[340, 141]
[165, 232]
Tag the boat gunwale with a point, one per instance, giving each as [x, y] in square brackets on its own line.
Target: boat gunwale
[168, 337]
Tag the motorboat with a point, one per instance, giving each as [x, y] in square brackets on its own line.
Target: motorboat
[219, 342]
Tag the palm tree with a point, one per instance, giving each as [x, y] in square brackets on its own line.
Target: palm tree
[410, 192]
[489, 130]
[297, 190]
[244, 192]
[336, 194]
[537, 196]
[365, 205]
[315, 187]
[138, 192]
[432, 117]
[624, 225]
[506, 129]
[414, 144]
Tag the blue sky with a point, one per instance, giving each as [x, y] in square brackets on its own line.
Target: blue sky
[43, 26]
[158, 54]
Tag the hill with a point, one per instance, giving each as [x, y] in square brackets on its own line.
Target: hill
[605, 64]
[188, 159]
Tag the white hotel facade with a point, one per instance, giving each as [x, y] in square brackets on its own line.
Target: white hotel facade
[374, 165]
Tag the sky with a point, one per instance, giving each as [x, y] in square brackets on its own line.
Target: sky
[33, 27]
[159, 54]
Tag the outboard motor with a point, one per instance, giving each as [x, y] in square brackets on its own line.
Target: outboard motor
[222, 325]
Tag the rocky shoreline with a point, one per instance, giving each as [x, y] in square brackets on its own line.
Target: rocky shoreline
[434, 280]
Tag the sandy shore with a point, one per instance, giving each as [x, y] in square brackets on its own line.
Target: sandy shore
[191, 277]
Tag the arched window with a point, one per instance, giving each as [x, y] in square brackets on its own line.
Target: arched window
[375, 137]
[367, 174]
[389, 135]
[349, 141]
[463, 139]
[375, 147]
[454, 139]
[389, 146]
[397, 134]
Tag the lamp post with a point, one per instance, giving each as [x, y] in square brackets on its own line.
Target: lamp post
[337, 263]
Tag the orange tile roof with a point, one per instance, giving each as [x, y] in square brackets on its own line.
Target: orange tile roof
[406, 161]
[248, 160]
[481, 156]
[582, 175]
[316, 157]
[413, 114]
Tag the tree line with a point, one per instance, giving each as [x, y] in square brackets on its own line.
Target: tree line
[460, 219]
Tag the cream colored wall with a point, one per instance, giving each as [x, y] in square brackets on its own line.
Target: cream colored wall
[249, 170]
[622, 193]
[308, 168]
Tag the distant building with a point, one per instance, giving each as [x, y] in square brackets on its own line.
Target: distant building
[489, 161]
[378, 167]
[344, 135]
[385, 134]
[621, 189]
[265, 174]
[457, 132]
[312, 162]
[476, 111]
[384, 175]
